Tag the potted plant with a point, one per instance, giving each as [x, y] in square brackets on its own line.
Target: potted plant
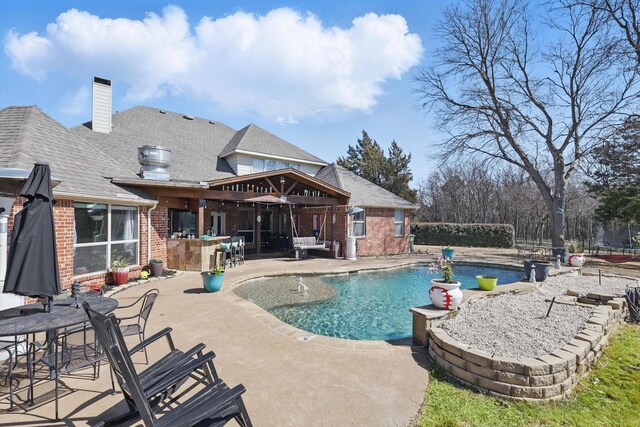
[542, 269]
[487, 283]
[212, 279]
[156, 267]
[445, 293]
[573, 258]
[447, 253]
[120, 270]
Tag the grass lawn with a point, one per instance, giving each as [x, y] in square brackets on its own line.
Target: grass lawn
[608, 396]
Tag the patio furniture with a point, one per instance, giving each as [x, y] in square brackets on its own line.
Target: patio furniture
[138, 327]
[31, 319]
[9, 347]
[238, 249]
[226, 251]
[214, 404]
[303, 244]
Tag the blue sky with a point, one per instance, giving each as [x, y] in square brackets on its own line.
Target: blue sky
[314, 73]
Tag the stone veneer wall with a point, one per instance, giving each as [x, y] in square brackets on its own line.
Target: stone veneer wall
[547, 377]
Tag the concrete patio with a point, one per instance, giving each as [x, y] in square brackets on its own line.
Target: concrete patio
[289, 381]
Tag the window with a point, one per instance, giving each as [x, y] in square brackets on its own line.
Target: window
[219, 223]
[398, 222]
[182, 223]
[270, 165]
[246, 224]
[104, 233]
[258, 165]
[359, 228]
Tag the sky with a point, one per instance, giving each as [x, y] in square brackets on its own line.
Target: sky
[315, 73]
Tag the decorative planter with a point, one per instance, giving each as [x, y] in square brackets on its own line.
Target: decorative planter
[156, 268]
[487, 283]
[447, 253]
[574, 260]
[120, 275]
[542, 269]
[445, 295]
[212, 282]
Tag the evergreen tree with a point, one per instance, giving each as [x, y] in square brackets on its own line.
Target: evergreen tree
[617, 174]
[367, 159]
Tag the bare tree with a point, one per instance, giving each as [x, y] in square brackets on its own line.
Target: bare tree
[537, 103]
[624, 14]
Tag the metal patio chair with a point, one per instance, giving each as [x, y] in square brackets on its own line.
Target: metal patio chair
[138, 328]
[213, 405]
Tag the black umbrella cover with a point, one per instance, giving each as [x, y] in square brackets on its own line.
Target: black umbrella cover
[32, 265]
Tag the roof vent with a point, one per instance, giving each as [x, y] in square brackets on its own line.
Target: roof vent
[154, 161]
[188, 117]
[162, 112]
[212, 122]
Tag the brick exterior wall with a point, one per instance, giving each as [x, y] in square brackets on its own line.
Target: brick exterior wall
[231, 209]
[159, 227]
[63, 217]
[380, 230]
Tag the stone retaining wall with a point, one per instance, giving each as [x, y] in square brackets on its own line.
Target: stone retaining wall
[547, 377]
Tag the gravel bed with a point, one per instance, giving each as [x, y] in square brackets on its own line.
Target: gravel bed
[558, 285]
[514, 325]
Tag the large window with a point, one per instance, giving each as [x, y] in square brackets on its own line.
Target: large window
[246, 224]
[359, 228]
[104, 233]
[262, 165]
[398, 222]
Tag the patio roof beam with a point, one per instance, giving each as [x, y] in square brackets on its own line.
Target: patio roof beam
[291, 188]
[239, 196]
[271, 183]
[298, 200]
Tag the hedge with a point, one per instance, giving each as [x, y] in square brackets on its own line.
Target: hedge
[478, 235]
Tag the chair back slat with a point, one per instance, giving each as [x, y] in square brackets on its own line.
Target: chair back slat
[110, 338]
[147, 304]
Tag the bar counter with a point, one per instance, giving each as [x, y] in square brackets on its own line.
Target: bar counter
[192, 254]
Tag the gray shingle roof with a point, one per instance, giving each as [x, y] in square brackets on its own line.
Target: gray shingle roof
[28, 135]
[195, 143]
[363, 193]
[255, 139]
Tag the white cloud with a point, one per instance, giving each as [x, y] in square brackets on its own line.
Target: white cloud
[78, 102]
[283, 65]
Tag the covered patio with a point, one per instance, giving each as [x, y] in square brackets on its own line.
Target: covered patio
[267, 209]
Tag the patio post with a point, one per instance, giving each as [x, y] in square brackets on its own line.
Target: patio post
[333, 230]
[258, 227]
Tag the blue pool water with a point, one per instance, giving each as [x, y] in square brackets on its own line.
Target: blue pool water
[371, 306]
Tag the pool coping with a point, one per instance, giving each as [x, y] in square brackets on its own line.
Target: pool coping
[290, 331]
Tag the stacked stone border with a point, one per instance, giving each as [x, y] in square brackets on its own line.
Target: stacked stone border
[548, 377]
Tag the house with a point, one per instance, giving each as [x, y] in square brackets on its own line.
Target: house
[138, 183]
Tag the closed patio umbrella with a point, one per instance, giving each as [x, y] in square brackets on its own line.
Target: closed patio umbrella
[32, 266]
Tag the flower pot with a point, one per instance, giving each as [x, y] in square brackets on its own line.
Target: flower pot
[212, 282]
[120, 275]
[487, 283]
[447, 253]
[156, 268]
[542, 269]
[445, 295]
[574, 260]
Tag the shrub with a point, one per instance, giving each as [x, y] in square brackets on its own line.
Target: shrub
[479, 235]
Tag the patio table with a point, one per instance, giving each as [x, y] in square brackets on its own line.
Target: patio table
[31, 319]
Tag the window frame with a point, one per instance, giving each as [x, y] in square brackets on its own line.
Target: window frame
[255, 220]
[363, 221]
[396, 223]
[108, 243]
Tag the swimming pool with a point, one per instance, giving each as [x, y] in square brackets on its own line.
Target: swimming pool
[365, 306]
